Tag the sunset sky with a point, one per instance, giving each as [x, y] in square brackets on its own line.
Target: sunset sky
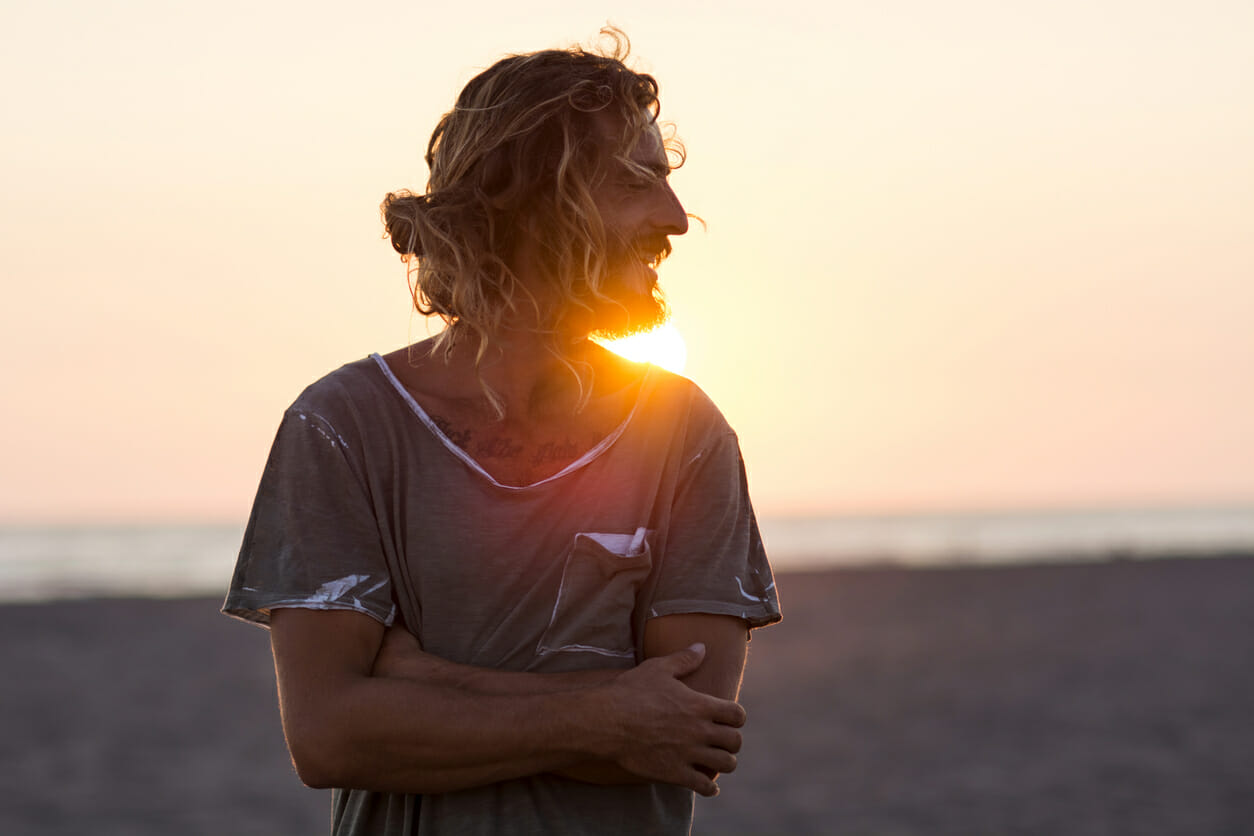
[963, 255]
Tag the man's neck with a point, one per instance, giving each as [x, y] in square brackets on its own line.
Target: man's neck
[547, 422]
[536, 374]
[528, 374]
[522, 369]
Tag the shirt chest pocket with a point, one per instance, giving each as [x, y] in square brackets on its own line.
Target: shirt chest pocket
[593, 610]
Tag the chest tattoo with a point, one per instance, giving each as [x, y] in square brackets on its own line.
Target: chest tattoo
[459, 437]
[539, 455]
[555, 451]
[501, 447]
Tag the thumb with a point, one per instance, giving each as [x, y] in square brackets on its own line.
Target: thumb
[683, 662]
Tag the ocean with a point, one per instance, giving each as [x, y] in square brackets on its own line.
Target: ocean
[43, 563]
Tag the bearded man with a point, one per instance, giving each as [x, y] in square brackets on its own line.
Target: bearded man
[509, 576]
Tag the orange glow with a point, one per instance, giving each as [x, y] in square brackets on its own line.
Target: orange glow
[663, 346]
[1005, 264]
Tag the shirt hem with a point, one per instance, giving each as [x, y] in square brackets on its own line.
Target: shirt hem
[259, 613]
[756, 616]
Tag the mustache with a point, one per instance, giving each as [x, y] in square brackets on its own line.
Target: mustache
[653, 250]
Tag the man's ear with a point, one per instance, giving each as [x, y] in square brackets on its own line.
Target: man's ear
[498, 181]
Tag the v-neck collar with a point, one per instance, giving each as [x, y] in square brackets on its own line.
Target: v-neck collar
[596, 450]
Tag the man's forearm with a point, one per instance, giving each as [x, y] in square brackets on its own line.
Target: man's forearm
[421, 724]
[403, 658]
[450, 727]
[410, 736]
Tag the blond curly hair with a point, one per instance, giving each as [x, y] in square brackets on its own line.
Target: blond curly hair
[521, 153]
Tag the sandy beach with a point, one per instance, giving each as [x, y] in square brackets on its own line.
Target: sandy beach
[1078, 699]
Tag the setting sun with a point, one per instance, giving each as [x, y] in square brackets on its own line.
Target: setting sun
[663, 346]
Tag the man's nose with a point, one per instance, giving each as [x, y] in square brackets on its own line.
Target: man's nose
[670, 217]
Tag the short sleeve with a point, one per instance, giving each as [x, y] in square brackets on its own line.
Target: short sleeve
[714, 561]
[312, 539]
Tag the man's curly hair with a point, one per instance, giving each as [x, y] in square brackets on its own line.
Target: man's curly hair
[521, 153]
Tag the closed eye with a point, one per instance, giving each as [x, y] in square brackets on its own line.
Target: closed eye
[642, 177]
[639, 184]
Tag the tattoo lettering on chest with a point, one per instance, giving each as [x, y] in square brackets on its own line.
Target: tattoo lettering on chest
[505, 447]
[459, 437]
[555, 451]
[501, 447]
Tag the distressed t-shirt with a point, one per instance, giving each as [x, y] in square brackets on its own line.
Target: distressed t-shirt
[366, 505]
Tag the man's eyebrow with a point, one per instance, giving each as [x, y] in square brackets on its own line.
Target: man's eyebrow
[658, 169]
[661, 169]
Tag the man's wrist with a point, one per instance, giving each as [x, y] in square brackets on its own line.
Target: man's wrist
[601, 717]
[588, 716]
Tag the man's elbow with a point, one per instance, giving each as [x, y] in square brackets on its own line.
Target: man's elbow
[315, 780]
[321, 742]
[328, 751]
[317, 759]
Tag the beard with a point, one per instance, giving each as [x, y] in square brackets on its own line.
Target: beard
[622, 317]
[628, 308]
[632, 302]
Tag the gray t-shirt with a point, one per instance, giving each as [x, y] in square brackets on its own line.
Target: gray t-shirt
[366, 505]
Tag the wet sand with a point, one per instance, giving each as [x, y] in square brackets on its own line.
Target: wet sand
[1111, 698]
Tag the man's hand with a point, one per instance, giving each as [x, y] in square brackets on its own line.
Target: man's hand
[361, 710]
[663, 730]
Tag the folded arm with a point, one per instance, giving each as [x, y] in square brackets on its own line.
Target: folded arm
[428, 725]
[725, 639]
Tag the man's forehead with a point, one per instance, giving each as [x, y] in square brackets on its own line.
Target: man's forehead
[649, 146]
[646, 148]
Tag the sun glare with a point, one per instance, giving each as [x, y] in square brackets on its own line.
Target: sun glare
[663, 346]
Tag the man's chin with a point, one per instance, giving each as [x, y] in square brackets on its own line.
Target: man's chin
[614, 322]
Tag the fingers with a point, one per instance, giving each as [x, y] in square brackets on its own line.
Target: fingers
[727, 712]
[726, 738]
[683, 662]
[702, 779]
[700, 782]
[716, 760]
[705, 786]
[709, 764]
[680, 735]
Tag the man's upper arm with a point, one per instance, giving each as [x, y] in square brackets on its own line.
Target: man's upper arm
[725, 638]
[314, 645]
[316, 653]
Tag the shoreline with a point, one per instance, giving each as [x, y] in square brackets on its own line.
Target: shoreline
[52, 590]
[1079, 698]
